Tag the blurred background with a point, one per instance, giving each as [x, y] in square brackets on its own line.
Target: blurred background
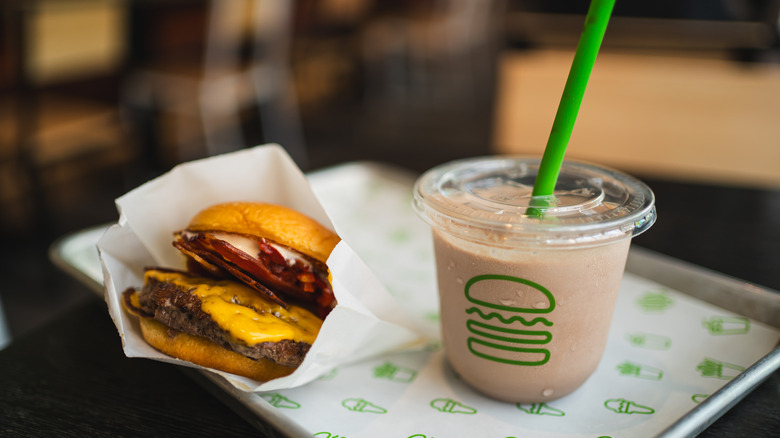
[98, 96]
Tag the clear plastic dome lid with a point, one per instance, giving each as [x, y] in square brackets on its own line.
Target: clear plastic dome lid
[489, 200]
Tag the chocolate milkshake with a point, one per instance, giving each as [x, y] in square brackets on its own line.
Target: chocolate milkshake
[527, 298]
[550, 340]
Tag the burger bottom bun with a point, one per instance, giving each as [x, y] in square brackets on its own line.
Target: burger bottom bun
[205, 353]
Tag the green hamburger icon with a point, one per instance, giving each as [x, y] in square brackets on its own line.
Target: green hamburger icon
[504, 327]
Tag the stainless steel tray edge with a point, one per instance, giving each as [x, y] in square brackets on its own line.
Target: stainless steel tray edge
[76, 254]
[754, 301]
[757, 302]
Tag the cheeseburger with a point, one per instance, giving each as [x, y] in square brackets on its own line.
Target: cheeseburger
[254, 294]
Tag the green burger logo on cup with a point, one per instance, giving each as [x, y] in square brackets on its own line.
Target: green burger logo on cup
[499, 331]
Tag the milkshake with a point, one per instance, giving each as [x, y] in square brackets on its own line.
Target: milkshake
[528, 286]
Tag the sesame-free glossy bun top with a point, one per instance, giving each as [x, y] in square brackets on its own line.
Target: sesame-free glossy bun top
[274, 222]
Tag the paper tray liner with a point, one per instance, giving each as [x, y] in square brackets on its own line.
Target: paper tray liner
[634, 392]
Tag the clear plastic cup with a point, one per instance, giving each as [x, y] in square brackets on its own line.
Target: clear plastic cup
[528, 285]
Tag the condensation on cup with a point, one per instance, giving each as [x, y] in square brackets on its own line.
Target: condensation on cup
[528, 285]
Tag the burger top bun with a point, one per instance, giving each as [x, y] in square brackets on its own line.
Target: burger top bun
[275, 222]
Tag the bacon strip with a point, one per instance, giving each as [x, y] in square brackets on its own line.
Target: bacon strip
[269, 273]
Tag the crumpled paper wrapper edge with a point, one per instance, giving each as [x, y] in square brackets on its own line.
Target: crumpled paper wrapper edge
[366, 322]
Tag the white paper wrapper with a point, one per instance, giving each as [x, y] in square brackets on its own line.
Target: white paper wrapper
[365, 323]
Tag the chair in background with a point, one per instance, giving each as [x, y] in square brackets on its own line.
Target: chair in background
[199, 108]
[57, 136]
[443, 52]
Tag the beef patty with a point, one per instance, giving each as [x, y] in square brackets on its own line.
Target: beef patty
[181, 310]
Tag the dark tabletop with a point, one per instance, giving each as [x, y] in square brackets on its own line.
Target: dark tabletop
[70, 376]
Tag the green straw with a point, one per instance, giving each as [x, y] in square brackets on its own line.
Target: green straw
[584, 58]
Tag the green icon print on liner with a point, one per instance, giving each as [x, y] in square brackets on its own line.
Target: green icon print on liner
[497, 337]
[649, 341]
[727, 325]
[540, 409]
[450, 406]
[639, 371]
[362, 405]
[279, 401]
[395, 373]
[623, 406]
[698, 398]
[653, 302]
[329, 375]
[399, 236]
[718, 369]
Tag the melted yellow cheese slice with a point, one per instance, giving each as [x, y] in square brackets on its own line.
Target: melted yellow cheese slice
[243, 312]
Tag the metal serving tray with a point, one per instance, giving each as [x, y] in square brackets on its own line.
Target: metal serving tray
[375, 199]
